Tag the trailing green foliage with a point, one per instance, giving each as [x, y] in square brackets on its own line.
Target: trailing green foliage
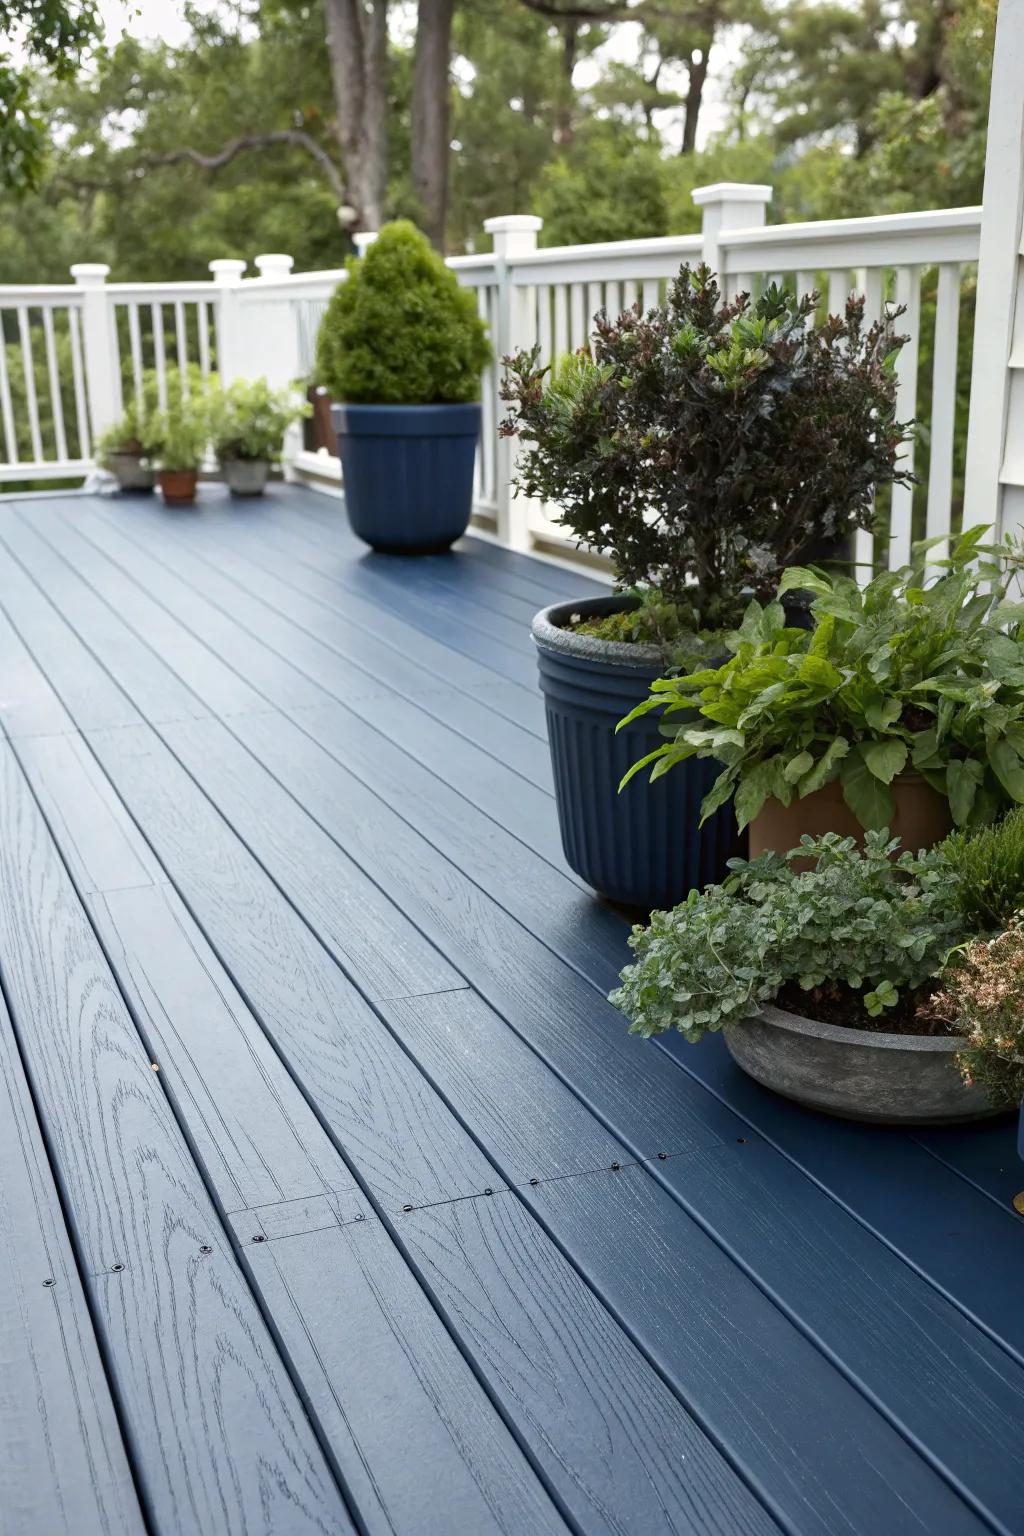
[981, 997]
[904, 675]
[399, 330]
[704, 444]
[869, 921]
[177, 433]
[248, 420]
[990, 866]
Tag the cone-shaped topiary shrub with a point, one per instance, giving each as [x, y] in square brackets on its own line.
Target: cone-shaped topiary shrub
[400, 330]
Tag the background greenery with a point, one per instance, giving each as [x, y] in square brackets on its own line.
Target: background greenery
[845, 106]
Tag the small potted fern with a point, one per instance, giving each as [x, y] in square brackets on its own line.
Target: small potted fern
[176, 431]
[120, 449]
[248, 421]
[401, 350]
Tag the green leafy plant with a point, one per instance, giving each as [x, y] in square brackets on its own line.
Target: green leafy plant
[176, 432]
[855, 932]
[904, 675]
[990, 867]
[248, 420]
[399, 330]
[703, 444]
[981, 998]
[127, 434]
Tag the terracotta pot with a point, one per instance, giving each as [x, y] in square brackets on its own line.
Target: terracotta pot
[921, 818]
[178, 486]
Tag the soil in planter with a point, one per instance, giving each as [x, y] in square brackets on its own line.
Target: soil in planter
[841, 1006]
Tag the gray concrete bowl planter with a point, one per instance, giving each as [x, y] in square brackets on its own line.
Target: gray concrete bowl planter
[643, 848]
[857, 1074]
[246, 477]
[132, 471]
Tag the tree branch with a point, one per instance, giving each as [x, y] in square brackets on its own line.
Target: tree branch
[248, 141]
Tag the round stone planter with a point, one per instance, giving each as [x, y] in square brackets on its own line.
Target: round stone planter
[246, 477]
[178, 486]
[643, 847]
[857, 1074]
[408, 473]
[131, 470]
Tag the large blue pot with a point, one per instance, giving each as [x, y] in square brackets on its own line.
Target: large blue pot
[408, 473]
[643, 847]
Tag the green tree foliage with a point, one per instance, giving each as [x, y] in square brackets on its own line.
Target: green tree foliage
[54, 35]
[158, 158]
[400, 330]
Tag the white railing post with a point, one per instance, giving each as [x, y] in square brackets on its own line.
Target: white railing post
[514, 234]
[231, 337]
[101, 361]
[363, 239]
[728, 205]
[275, 320]
[994, 485]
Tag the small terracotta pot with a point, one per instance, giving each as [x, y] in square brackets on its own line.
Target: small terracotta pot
[920, 820]
[178, 486]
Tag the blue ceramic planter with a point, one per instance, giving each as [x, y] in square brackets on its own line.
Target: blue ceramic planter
[643, 847]
[408, 473]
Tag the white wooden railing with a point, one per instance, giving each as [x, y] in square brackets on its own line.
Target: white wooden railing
[74, 353]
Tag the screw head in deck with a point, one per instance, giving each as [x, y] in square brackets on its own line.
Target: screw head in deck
[205, 1248]
[259, 1238]
[408, 1207]
[49, 1283]
[116, 1268]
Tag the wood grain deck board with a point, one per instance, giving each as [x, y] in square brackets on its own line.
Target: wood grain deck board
[64, 1469]
[218, 1437]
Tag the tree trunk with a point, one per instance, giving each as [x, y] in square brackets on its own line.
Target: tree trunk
[566, 102]
[430, 112]
[698, 74]
[357, 39]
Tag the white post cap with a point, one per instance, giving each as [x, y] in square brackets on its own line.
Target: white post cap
[515, 234]
[274, 264]
[227, 269]
[513, 223]
[732, 192]
[362, 239]
[88, 274]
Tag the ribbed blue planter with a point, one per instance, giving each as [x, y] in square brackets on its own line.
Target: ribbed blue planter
[643, 847]
[408, 473]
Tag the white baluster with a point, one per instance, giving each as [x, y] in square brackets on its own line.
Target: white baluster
[943, 422]
[28, 366]
[78, 385]
[6, 408]
[908, 292]
[56, 403]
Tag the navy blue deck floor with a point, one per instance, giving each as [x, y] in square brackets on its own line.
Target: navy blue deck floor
[334, 1196]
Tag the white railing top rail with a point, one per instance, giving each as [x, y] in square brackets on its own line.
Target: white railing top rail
[39, 293]
[895, 239]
